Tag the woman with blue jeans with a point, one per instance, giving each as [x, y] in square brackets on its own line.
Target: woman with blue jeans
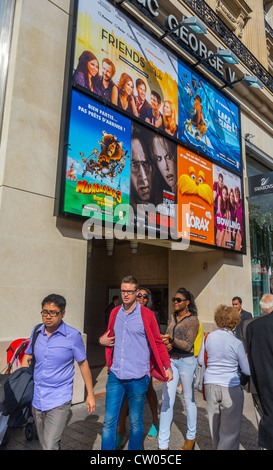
[179, 340]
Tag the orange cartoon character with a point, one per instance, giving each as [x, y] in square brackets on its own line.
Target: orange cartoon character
[194, 184]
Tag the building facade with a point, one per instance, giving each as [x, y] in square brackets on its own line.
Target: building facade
[43, 247]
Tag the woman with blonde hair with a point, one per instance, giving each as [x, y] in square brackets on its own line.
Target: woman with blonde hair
[126, 99]
[223, 392]
[169, 124]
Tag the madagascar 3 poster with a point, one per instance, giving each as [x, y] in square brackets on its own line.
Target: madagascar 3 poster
[98, 160]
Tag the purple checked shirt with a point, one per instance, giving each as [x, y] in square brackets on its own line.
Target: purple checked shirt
[131, 358]
[54, 367]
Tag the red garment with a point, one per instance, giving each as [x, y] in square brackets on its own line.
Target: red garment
[159, 354]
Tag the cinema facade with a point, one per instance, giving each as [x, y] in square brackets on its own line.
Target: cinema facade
[95, 185]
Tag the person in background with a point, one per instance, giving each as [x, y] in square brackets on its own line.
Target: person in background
[223, 392]
[109, 308]
[244, 315]
[144, 298]
[169, 120]
[106, 86]
[134, 352]
[87, 71]
[141, 101]
[153, 114]
[126, 99]
[56, 348]
[259, 340]
[179, 339]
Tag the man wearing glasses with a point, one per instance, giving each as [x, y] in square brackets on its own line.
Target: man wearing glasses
[134, 352]
[56, 348]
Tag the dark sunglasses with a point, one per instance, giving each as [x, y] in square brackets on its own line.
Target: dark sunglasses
[145, 296]
[177, 299]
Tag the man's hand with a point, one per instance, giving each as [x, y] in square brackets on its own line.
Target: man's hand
[169, 375]
[107, 340]
[90, 403]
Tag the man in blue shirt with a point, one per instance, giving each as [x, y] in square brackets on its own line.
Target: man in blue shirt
[56, 348]
[134, 350]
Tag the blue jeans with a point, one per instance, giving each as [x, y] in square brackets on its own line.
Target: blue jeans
[183, 368]
[116, 391]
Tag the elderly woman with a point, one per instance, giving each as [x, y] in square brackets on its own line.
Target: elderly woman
[223, 392]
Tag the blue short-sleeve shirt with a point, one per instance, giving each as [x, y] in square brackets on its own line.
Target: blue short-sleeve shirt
[54, 366]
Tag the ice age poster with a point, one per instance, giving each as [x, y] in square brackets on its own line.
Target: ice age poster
[208, 120]
[195, 197]
[97, 177]
[120, 62]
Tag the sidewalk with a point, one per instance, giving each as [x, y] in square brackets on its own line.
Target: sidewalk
[84, 431]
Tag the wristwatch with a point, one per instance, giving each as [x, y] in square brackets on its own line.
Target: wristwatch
[169, 368]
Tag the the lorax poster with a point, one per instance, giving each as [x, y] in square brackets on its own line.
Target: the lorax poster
[118, 61]
[194, 190]
[98, 160]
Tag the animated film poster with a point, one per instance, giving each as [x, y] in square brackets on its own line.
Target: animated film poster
[208, 120]
[195, 197]
[98, 160]
[153, 178]
[228, 209]
[118, 61]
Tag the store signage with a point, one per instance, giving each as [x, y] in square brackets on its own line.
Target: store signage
[260, 184]
[189, 39]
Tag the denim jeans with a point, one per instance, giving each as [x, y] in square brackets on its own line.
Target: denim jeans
[183, 368]
[116, 391]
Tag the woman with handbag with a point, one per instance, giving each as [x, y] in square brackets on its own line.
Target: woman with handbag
[179, 340]
[223, 392]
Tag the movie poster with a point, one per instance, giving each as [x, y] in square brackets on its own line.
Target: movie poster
[208, 120]
[153, 178]
[228, 209]
[195, 197]
[121, 63]
[98, 160]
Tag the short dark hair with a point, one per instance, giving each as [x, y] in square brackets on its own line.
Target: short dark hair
[157, 95]
[237, 298]
[115, 297]
[57, 299]
[139, 82]
[130, 280]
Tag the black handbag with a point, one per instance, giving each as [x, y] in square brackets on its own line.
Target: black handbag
[16, 388]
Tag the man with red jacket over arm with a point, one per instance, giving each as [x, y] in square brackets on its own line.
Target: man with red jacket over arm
[134, 352]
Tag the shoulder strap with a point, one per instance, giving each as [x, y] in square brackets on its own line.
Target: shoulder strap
[205, 352]
[34, 337]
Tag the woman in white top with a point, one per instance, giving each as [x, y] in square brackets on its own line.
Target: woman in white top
[224, 395]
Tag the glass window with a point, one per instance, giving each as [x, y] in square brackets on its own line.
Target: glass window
[261, 237]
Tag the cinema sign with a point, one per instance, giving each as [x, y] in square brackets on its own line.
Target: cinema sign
[188, 38]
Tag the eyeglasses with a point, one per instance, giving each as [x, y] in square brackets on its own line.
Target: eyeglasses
[178, 300]
[145, 296]
[135, 166]
[51, 313]
[129, 292]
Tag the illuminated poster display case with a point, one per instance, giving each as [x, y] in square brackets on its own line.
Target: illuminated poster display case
[145, 130]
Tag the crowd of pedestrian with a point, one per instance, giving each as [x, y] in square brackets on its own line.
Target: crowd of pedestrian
[237, 355]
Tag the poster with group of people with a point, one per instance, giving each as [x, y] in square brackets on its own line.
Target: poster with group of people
[121, 63]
